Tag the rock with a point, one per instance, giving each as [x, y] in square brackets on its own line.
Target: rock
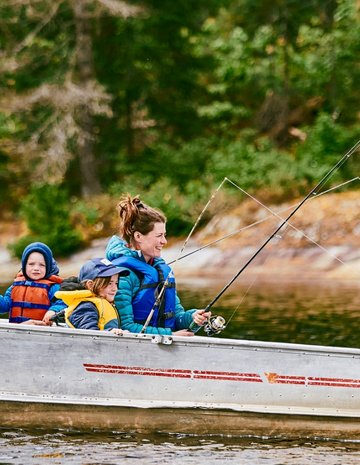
[323, 240]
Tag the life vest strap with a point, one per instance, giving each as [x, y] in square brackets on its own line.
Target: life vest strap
[167, 315]
[31, 284]
[30, 305]
[169, 285]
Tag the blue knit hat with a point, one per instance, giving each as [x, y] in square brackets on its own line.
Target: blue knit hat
[51, 265]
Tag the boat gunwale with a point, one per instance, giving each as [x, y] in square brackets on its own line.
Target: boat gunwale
[181, 340]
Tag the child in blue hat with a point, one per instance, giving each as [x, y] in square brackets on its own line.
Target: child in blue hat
[90, 303]
[30, 299]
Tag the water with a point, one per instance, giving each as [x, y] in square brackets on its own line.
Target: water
[317, 313]
[320, 312]
[119, 448]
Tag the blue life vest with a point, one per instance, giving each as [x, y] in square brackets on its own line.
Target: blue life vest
[152, 279]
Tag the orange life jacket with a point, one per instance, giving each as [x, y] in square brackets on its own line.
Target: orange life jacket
[30, 299]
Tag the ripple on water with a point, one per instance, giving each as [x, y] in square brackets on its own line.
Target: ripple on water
[36, 447]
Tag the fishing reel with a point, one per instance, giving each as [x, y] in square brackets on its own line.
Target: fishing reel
[214, 325]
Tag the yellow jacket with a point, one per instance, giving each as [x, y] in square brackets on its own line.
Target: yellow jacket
[107, 317]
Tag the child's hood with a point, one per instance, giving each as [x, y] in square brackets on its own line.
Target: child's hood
[51, 265]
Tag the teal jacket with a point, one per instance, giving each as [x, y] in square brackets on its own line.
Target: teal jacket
[128, 288]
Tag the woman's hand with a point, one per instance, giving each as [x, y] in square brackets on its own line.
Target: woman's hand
[183, 332]
[200, 317]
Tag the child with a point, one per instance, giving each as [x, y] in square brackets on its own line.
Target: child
[30, 299]
[90, 305]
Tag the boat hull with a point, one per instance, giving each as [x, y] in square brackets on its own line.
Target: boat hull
[202, 422]
[58, 377]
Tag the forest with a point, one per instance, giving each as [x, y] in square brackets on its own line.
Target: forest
[165, 99]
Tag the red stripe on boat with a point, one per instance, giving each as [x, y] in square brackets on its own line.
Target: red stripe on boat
[173, 373]
[337, 382]
[228, 375]
[125, 370]
[275, 378]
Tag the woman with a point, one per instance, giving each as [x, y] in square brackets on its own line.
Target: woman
[143, 235]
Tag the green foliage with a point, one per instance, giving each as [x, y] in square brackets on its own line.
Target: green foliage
[46, 212]
[199, 90]
[88, 212]
[326, 142]
[254, 165]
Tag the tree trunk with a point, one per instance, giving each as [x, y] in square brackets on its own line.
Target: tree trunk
[330, 9]
[129, 129]
[286, 74]
[90, 183]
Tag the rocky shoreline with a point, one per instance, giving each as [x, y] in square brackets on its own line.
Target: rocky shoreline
[216, 263]
[323, 242]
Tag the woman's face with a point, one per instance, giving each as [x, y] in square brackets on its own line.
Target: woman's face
[151, 244]
[108, 292]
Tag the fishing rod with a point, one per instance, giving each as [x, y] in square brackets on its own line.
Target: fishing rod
[249, 226]
[343, 159]
[216, 324]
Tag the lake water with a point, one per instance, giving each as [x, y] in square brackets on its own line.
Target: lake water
[323, 313]
[316, 312]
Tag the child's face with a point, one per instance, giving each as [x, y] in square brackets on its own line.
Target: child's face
[35, 266]
[110, 290]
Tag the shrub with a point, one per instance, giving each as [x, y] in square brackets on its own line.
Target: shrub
[47, 214]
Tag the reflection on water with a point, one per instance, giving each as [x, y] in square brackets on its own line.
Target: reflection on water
[320, 313]
[22, 447]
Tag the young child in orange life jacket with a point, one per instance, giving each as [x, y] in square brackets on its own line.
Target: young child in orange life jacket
[30, 299]
[90, 300]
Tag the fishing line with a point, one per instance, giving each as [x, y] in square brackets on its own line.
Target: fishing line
[161, 293]
[256, 277]
[325, 178]
[199, 218]
[242, 299]
[273, 213]
[289, 224]
[216, 241]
